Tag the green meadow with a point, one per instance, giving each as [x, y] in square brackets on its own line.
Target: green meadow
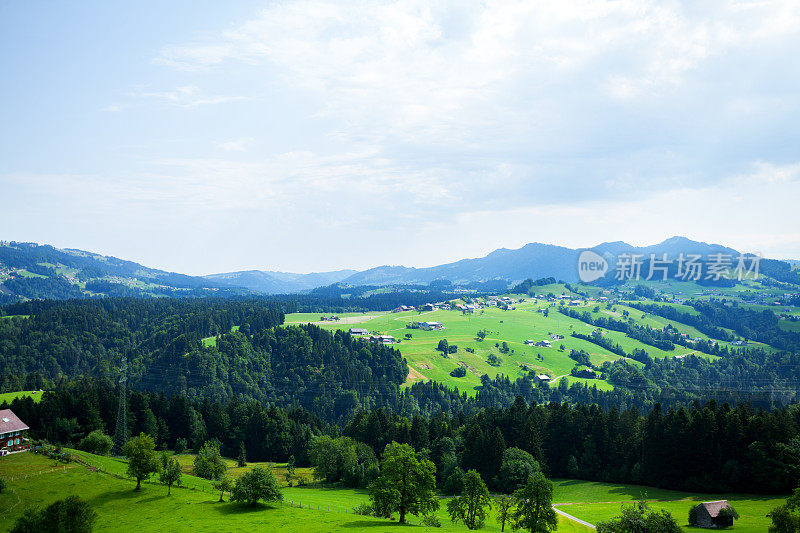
[34, 480]
[512, 327]
[9, 397]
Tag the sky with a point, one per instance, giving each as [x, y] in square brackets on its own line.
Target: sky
[203, 137]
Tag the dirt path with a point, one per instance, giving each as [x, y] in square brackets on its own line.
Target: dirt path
[574, 519]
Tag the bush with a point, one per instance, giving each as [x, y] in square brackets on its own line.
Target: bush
[257, 484]
[70, 514]
[363, 509]
[459, 372]
[97, 443]
[431, 520]
[180, 446]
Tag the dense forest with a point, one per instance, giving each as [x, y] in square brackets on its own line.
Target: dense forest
[332, 375]
[708, 448]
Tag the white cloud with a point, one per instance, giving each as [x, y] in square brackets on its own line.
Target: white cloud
[188, 96]
[236, 145]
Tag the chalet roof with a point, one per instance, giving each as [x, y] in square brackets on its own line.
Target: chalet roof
[10, 422]
[714, 508]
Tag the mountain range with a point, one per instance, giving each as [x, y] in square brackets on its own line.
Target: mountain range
[30, 270]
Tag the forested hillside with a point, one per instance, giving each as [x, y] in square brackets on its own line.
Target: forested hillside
[31, 271]
[709, 447]
[333, 374]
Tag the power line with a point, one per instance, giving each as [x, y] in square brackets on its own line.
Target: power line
[121, 431]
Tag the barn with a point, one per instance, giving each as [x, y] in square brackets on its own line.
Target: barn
[712, 515]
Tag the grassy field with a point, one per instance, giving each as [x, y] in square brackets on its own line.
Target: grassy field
[9, 397]
[512, 326]
[596, 502]
[34, 480]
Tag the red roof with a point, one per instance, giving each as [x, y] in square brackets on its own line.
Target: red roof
[714, 508]
[10, 422]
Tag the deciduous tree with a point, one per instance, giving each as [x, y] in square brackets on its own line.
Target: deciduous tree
[142, 458]
[257, 484]
[533, 506]
[471, 506]
[405, 485]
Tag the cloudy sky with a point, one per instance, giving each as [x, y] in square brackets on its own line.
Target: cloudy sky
[201, 137]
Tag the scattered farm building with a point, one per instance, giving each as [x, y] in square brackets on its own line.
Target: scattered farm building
[358, 331]
[542, 378]
[12, 432]
[428, 326]
[382, 339]
[712, 515]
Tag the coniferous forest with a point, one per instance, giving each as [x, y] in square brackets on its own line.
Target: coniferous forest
[275, 388]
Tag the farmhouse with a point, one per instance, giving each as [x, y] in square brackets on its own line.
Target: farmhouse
[530, 342]
[12, 432]
[542, 378]
[543, 344]
[358, 331]
[431, 325]
[382, 339]
[714, 514]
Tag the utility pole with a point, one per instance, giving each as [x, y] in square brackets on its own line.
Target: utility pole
[121, 431]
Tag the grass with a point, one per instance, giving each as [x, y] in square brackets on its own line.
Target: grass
[34, 480]
[596, 502]
[512, 327]
[9, 397]
[120, 508]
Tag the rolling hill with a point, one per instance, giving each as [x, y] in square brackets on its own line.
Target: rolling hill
[30, 270]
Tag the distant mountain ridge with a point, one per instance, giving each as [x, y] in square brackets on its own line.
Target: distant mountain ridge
[534, 260]
[271, 282]
[30, 270]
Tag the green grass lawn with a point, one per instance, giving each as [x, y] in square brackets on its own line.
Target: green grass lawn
[596, 502]
[9, 397]
[34, 480]
[513, 327]
[120, 508]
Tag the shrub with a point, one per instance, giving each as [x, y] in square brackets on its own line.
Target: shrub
[363, 509]
[431, 520]
[257, 484]
[180, 446]
[459, 372]
[70, 514]
[97, 443]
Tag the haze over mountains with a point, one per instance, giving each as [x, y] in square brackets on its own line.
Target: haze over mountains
[29, 270]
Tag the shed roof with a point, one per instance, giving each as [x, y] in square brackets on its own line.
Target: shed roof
[714, 508]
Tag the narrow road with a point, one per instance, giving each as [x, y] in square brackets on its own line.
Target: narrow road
[574, 519]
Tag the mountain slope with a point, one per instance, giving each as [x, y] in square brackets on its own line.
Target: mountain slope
[534, 260]
[30, 270]
[271, 282]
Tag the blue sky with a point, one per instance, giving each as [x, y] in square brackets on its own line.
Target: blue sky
[206, 136]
